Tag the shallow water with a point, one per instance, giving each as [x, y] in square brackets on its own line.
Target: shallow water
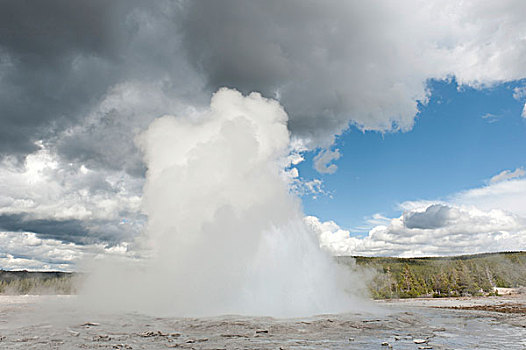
[42, 323]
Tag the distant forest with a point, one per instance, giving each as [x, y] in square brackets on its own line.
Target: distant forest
[468, 275]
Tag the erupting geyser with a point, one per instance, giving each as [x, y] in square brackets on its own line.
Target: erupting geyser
[227, 236]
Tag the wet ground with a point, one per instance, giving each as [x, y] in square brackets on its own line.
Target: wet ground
[29, 322]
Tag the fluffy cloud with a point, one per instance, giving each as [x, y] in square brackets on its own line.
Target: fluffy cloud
[68, 202]
[25, 250]
[429, 231]
[506, 195]
[485, 219]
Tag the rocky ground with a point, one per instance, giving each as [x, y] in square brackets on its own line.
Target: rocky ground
[32, 322]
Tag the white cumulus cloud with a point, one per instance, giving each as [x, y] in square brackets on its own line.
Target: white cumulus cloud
[67, 202]
[429, 231]
[485, 219]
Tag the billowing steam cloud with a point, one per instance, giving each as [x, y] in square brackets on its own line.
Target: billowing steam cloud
[226, 235]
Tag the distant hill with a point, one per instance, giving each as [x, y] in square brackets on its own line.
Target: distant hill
[441, 276]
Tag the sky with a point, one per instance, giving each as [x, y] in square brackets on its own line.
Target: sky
[407, 119]
[461, 139]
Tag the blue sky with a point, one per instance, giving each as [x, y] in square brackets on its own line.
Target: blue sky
[451, 148]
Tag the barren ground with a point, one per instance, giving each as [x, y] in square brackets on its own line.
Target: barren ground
[36, 322]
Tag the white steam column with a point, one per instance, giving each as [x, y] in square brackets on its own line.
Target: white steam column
[227, 235]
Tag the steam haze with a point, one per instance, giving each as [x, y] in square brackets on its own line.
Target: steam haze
[227, 236]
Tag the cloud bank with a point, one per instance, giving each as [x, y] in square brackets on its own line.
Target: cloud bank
[487, 219]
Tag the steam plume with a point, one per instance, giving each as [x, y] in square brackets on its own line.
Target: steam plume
[226, 234]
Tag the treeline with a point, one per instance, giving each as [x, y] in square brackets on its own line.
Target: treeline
[469, 275]
[29, 282]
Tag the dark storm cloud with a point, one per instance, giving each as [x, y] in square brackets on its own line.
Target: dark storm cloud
[263, 46]
[63, 230]
[331, 63]
[315, 57]
[55, 58]
[59, 59]
[44, 30]
[67, 231]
